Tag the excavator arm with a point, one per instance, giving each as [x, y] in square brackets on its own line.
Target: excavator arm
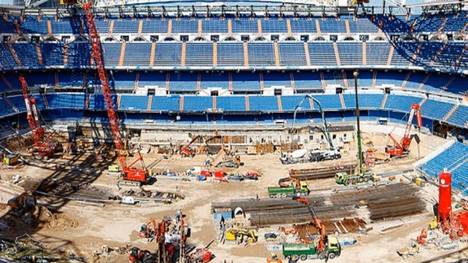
[315, 221]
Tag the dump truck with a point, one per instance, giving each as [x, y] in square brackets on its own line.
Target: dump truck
[305, 251]
[276, 192]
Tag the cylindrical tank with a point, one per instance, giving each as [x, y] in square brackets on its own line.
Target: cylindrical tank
[445, 196]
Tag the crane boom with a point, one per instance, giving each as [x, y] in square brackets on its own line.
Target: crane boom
[129, 173]
[401, 148]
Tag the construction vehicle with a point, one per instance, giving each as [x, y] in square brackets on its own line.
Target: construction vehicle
[201, 255]
[401, 148]
[326, 247]
[303, 155]
[129, 172]
[186, 151]
[140, 256]
[296, 188]
[242, 235]
[362, 174]
[43, 145]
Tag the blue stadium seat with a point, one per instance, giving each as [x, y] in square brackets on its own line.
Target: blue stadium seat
[333, 78]
[274, 25]
[244, 25]
[275, 79]
[198, 103]
[65, 26]
[390, 78]
[102, 26]
[366, 101]
[292, 54]
[307, 81]
[245, 82]
[151, 25]
[456, 22]
[125, 26]
[122, 80]
[435, 110]
[199, 54]
[322, 54]
[111, 53]
[458, 85]
[303, 25]
[27, 54]
[214, 25]
[329, 102]
[79, 55]
[401, 102]
[332, 25]
[365, 79]
[459, 117]
[40, 79]
[133, 102]
[415, 80]
[65, 100]
[289, 103]
[184, 25]
[377, 53]
[214, 80]
[52, 54]
[137, 54]
[230, 54]
[152, 79]
[263, 103]
[7, 25]
[261, 54]
[183, 82]
[362, 25]
[6, 59]
[436, 82]
[31, 25]
[350, 53]
[170, 103]
[168, 54]
[5, 108]
[70, 79]
[230, 103]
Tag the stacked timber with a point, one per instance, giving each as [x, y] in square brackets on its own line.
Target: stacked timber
[321, 172]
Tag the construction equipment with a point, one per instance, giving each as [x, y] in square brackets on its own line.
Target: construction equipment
[129, 172]
[347, 179]
[401, 148]
[186, 151]
[43, 145]
[296, 188]
[140, 256]
[242, 235]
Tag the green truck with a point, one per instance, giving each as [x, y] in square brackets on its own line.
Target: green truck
[346, 179]
[290, 191]
[304, 251]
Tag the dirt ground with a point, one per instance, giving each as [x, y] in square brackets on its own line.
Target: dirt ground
[116, 225]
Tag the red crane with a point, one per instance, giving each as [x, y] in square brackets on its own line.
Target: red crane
[130, 173]
[316, 222]
[43, 145]
[401, 148]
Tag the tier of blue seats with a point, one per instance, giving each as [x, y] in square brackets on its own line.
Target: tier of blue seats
[390, 24]
[454, 159]
[401, 102]
[366, 101]
[260, 54]
[459, 116]
[436, 110]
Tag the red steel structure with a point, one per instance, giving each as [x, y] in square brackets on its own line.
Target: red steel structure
[401, 148]
[42, 144]
[130, 173]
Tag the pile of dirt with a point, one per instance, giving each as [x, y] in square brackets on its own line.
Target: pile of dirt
[56, 221]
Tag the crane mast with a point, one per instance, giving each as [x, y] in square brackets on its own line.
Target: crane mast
[42, 145]
[129, 173]
[401, 148]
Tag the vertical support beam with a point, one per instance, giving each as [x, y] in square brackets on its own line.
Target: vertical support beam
[450, 113]
[277, 56]
[214, 103]
[230, 82]
[57, 79]
[423, 82]
[246, 54]
[293, 81]
[182, 59]
[65, 54]
[288, 26]
[229, 25]
[403, 85]
[279, 103]
[390, 55]
[342, 102]
[317, 26]
[200, 27]
[119, 99]
[337, 54]
[345, 79]
[140, 26]
[311, 103]
[153, 53]
[181, 103]
[169, 26]
[137, 80]
[384, 101]
[168, 82]
[198, 83]
[247, 103]
[150, 103]
[262, 81]
[215, 54]
[364, 53]
[374, 79]
[39, 54]
[259, 25]
[122, 53]
[348, 29]
[14, 55]
[307, 55]
[111, 27]
[322, 80]
[49, 27]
